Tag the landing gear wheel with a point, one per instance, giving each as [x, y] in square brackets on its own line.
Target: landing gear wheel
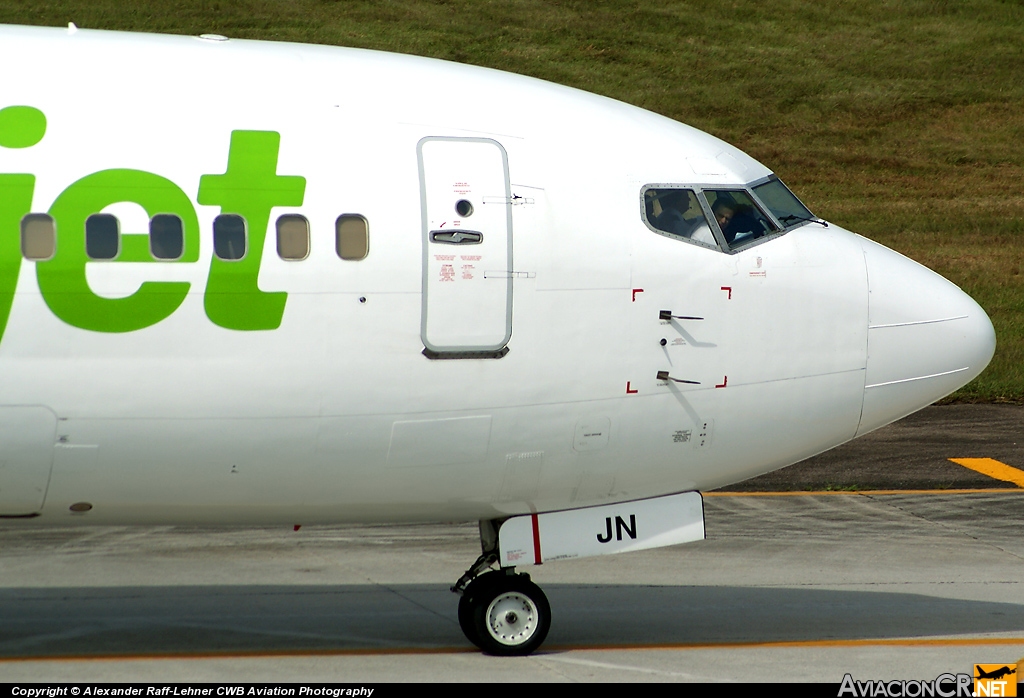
[468, 601]
[510, 614]
[466, 621]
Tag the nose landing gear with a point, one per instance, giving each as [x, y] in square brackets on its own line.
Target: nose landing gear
[501, 612]
[504, 613]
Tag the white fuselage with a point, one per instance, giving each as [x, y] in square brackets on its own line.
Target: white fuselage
[807, 339]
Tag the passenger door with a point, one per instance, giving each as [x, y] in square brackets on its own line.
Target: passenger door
[467, 247]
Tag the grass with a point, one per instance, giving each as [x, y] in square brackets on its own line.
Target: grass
[900, 119]
[838, 488]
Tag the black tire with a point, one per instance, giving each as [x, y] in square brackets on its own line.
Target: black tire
[469, 599]
[511, 616]
[466, 620]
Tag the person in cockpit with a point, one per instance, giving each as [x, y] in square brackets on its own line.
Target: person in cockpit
[739, 222]
[725, 210]
[675, 203]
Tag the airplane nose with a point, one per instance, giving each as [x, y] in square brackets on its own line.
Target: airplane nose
[926, 337]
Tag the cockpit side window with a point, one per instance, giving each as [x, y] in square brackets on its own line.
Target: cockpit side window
[786, 208]
[677, 213]
[738, 217]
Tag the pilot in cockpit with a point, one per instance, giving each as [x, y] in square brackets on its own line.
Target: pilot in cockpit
[725, 210]
[739, 220]
[675, 205]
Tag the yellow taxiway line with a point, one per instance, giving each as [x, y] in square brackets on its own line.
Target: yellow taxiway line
[681, 646]
[866, 493]
[985, 466]
[782, 644]
[993, 468]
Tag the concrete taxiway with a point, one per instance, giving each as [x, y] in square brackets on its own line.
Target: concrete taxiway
[792, 587]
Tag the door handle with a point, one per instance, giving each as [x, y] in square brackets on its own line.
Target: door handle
[456, 237]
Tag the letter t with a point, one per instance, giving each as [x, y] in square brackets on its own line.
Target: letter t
[250, 188]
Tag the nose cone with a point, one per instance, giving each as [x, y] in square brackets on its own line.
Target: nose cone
[926, 337]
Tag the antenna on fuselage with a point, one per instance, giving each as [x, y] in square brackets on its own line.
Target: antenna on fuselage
[663, 376]
[668, 316]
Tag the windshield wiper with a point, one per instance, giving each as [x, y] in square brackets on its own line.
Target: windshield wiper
[812, 219]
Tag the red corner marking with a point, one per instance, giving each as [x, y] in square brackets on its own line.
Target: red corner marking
[536, 542]
[628, 391]
[636, 291]
[729, 289]
[725, 382]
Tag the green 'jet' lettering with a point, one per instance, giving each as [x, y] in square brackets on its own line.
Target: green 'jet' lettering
[20, 127]
[62, 279]
[250, 188]
[15, 201]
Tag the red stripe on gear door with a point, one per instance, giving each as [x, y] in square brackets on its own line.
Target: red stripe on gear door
[536, 541]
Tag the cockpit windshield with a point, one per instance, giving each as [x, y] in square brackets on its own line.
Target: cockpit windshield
[786, 208]
[678, 213]
[738, 217]
[726, 219]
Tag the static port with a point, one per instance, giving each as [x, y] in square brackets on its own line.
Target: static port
[80, 507]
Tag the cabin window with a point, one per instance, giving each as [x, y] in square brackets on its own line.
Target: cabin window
[786, 208]
[229, 239]
[292, 237]
[102, 236]
[737, 216]
[38, 236]
[352, 236]
[166, 236]
[677, 213]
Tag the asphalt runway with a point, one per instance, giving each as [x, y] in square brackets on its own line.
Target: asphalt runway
[788, 586]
